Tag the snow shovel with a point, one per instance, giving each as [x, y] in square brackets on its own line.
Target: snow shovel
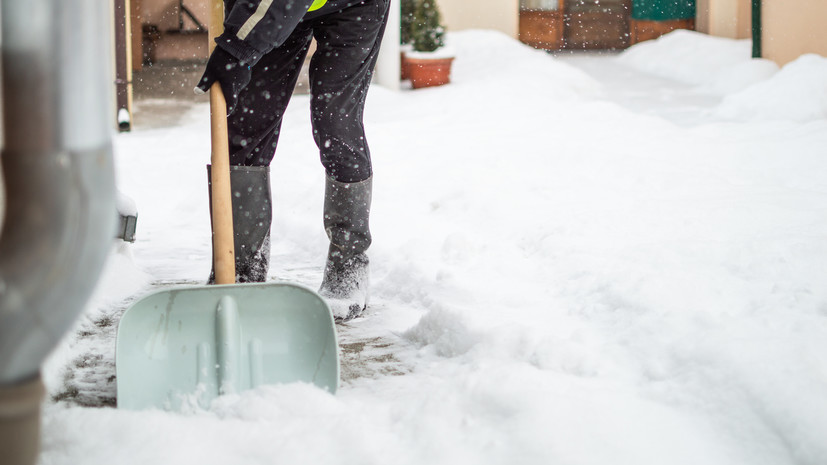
[185, 346]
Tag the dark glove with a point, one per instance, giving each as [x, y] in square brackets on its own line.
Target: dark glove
[233, 76]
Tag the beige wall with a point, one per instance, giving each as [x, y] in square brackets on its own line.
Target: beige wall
[164, 13]
[792, 28]
[744, 28]
[502, 15]
[725, 18]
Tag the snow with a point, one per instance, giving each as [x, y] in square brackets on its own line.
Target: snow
[798, 92]
[440, 53]
[567, 268]
[718, 64]
[125, 205]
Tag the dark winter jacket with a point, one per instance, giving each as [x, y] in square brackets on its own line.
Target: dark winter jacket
[254, 27]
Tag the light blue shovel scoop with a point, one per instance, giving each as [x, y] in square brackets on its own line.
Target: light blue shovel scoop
[186, 346]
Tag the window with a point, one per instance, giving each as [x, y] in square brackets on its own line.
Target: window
[539, 5]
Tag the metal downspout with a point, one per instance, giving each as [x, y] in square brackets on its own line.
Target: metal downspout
[59, 191]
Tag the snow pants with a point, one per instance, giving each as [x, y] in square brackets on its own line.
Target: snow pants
[348, 43]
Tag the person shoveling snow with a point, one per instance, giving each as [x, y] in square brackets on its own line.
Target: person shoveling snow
[257, 63]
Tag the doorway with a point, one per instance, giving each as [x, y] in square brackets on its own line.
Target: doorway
[597, 24]
[575, 24]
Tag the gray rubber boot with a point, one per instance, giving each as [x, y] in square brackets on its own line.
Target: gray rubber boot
[346, 221]
[252, 216]
[20, 422]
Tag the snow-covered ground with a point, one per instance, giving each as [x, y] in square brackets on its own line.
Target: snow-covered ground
[578, 259]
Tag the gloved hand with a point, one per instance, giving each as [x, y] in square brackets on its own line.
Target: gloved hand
[233, 76]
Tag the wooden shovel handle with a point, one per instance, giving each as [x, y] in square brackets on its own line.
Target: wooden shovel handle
[222, 206]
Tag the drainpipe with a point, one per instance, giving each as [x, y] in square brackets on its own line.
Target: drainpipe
[388, 63]
[756, 28]
[58, 178]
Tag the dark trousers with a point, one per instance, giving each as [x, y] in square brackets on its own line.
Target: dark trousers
[340, 72]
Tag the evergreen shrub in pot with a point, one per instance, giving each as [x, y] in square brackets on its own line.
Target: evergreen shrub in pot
[429, 63]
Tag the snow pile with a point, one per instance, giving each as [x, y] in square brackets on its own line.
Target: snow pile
[798, 92]
[125, 205]
[487, 57]
[716, 64]
[752, 88]
[556, 279]
[445, 333]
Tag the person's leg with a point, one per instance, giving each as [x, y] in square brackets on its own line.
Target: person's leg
[253, 133]
[255, 125]
[340, 73]
[252, 216]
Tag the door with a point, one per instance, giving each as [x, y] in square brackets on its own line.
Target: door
[541, 23]
[597, 24]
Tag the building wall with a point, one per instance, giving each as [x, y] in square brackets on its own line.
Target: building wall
[744, 28]
[725, 18]
[501, 15]
[164, 15]
[792, 28]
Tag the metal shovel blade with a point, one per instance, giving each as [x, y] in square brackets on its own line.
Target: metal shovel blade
[186, 346]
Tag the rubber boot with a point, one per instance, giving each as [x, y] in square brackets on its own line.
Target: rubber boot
[252, 216]
[346, 273]
[20, 422]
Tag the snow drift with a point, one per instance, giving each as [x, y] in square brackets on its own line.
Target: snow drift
[557, 279]
[798, 92]
[754, 89]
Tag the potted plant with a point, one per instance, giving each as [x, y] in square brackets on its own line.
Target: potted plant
[429, 63]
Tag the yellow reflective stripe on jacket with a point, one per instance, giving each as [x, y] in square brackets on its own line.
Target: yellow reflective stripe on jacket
[316, 5]
[253, 20]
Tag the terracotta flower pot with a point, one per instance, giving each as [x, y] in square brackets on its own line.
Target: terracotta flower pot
[403, 74]
[427, 72]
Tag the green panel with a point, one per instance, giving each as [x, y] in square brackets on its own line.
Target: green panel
[663, 10]
[756, 29]
[188, 345]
